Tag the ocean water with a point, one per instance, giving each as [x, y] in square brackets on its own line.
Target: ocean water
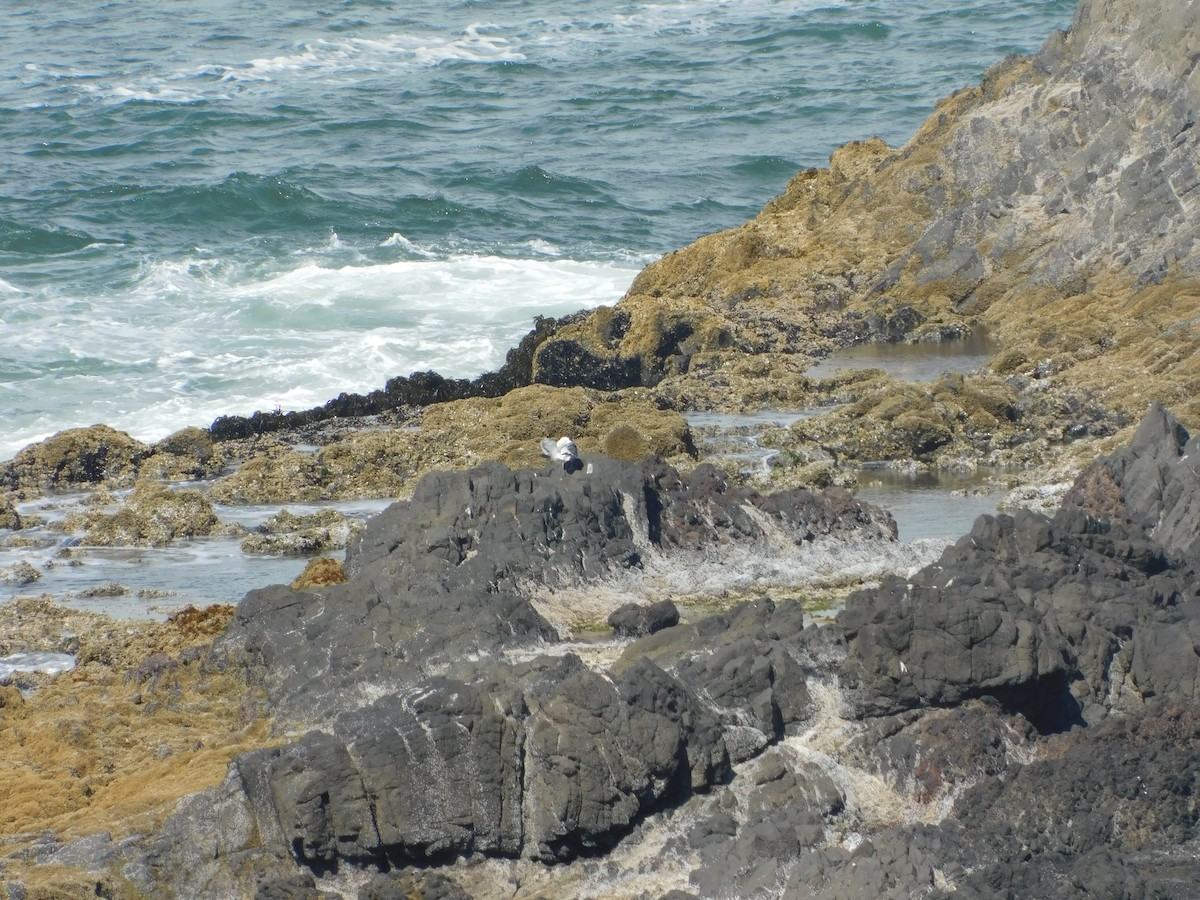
[211, 208]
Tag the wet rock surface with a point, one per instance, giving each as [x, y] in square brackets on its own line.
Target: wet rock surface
[287, 533]
[153, 515]
[995, 723]
[1016, 719]
[451, 572]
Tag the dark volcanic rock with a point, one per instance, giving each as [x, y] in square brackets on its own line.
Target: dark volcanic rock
[1028, 624]
[324, 650]
[446, 574]
[1057, 618]
[417, 389]
[431, 746]
[745, 664]
[1128, 783]
[492, 528]
[635, 620]
[1154, 484]
[545, 760]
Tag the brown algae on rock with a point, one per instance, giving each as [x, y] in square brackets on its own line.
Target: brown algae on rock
[102, 747]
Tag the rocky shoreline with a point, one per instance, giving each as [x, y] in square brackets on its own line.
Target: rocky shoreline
[525, 681]
[1016, 718]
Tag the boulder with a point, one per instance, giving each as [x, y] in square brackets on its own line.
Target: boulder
[19, 573]
[10, 519]
[186, 455]
[153, 515]
[74, 458]
[635, 620]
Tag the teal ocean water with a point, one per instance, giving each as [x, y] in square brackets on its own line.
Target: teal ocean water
[211, 208]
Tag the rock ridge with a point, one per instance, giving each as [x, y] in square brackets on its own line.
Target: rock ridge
[1042, 668]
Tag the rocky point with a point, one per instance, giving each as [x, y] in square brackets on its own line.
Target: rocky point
[524, 681]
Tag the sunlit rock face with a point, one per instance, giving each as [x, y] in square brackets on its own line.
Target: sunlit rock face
[1018, 718]
[1055, 204]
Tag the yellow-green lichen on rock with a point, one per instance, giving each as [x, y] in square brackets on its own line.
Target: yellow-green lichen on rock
[510, 428]
[152, 515]
[187, 454]
[383, 463]
[1050, 205]
[76, 457]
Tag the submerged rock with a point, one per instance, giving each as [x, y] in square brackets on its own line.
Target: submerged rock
[289, 534]
[153, 515]
[19, 573]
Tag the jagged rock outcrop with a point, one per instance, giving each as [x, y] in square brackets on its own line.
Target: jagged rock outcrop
[945, 681]
[1060, 618]
[1056, 204]
[451, 572]
[1015, 666]
[433, 740]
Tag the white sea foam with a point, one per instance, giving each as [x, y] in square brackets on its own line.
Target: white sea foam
[35, 661]
[218, 81]
[399, 240]
[338, 57]
[358, 54]
[195, 338]
[698, 16]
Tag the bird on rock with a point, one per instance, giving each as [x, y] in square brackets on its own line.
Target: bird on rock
[564, 451]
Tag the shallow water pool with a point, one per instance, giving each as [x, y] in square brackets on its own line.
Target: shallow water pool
[930, 504]
[918, 362]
